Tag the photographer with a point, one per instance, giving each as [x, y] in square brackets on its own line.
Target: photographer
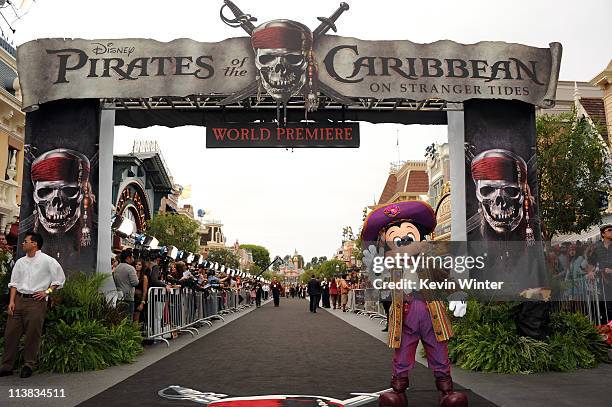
[215, 284]
[183, 276]
[156, 272]
[173, 276]
[202, 276]
[212, 279]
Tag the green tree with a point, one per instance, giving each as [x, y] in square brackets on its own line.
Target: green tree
[358, 253]
[305, 277]
[276, 266]
[328, 268]
[271, 275]
[6, 262]
[261, 255]
[224, 256]
[255, 269]
[175, 230]
[574, 172]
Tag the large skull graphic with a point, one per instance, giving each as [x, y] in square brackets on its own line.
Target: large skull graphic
[59, 177]
[282, 50]
[59, 204]
[500, 176]
[502, 204]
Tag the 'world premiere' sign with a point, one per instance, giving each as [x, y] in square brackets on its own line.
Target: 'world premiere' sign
[293, 135]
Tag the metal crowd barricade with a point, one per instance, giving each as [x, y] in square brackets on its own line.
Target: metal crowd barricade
[211, 306]
[380, 313]
[200, 309]
[206, 308]
[228, 302]
[179, 310]
[373, 306]
[583, 295]
[222, 301]
[246, 299]
[366, 302]
[350, 302]
[231, 301]
[357, 296]
[159, 325]
[191, 310]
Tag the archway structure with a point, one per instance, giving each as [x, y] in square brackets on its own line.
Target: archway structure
[283, 75]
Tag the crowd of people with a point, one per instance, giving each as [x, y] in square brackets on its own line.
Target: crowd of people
[322, 292]
[568, 263]
[583, 271]
[36, 275]
[133, 278]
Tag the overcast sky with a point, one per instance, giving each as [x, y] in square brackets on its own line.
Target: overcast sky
[302, 199]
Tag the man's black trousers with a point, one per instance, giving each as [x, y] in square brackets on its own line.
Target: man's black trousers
[314, 302]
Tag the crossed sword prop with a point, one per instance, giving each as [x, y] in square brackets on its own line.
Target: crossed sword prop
[246, 22]
[217, 399]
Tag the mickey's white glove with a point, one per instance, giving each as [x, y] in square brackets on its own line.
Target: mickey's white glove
[373, 256]
[459, 308]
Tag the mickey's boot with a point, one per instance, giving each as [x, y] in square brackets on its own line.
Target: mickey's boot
[448, 397]
[396, 397]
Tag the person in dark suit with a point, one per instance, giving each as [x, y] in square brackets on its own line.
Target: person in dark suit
[325, 293]
[276, 290]
[314, 291]
[259, 292]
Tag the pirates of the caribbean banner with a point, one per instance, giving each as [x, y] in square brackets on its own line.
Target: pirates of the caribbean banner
[283, 59]
[60, 181]
[502, 195]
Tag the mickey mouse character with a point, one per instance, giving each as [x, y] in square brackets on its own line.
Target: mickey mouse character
[400, 228]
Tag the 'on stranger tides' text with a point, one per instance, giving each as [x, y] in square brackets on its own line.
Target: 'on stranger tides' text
[444, 89]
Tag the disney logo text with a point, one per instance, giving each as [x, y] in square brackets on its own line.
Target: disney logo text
[110, 48]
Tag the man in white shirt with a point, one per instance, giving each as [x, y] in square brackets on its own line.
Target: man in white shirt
[34, 277]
